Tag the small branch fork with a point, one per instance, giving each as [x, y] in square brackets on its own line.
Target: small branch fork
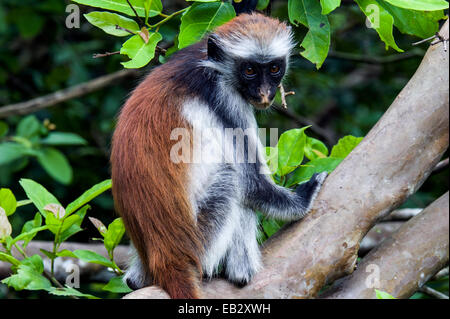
[101, 55]
[283, 94]
[437, 39]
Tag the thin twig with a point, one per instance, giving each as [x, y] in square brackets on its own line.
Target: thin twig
[440, 166]
[433, 293]
[141, 23]
[425, 40]
[118, 27]
[101, 55]
[441, 274]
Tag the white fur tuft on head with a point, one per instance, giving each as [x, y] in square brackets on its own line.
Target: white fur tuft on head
[255, 35]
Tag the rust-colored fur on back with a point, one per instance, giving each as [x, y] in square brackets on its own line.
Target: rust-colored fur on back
[150, 190]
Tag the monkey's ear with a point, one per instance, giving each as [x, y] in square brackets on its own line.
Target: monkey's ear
[215, 52]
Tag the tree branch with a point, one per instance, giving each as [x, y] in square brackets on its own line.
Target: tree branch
[433, 293]
[390, 164]
[65, 94]
[405, 261]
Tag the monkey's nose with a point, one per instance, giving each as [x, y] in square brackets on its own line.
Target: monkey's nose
[265, 95]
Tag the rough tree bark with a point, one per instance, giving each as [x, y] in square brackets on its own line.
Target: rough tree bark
[390, 164]
[391, 267]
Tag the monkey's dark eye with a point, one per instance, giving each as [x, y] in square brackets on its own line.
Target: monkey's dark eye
[249, 71]
[274, 69]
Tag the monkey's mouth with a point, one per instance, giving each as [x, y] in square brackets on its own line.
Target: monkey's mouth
[261, 105]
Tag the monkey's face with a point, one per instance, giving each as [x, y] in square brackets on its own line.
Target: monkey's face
[258, 82]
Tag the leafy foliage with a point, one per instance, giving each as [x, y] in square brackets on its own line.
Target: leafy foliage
[289, 164]
[203, 16]
[34, 139]
[28, 273]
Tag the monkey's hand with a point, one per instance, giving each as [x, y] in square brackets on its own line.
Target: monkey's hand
[308, 191]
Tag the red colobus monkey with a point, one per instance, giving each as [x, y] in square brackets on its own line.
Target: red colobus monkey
[186, 219]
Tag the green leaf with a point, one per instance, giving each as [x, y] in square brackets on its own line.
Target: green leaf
[11, 151]
[122, 6]
[88, 195]
[107, 21]
[65, 253]
[61, 138]
[76, 226]
[344, 146]
[54, 224]
[28, 21]
[34, 262]
[381, 20]
[3, 128]
[425, 5]
[290, 150]
[38, 194]
[271, 156]
[304, 172]
[315, 148]
[25, 235]
[28, 127]
[383, 295]
[7, 201]
[55, 164]
[117, 285]
[48, 254]
[69, 291]
[317, 41]
[425, 24]
[92, 257]
[29, 226]
[329, 5]
[138, 51]
[9, 259]
[262, 4]
[114, 234]
[69, 222]
[271, 226]
[27, 278]
[201, 18]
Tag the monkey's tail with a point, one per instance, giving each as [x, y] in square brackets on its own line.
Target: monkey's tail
[179, 281]
[150, 192]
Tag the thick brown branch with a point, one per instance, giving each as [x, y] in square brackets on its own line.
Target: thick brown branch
[377, 235]
[405, 261]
